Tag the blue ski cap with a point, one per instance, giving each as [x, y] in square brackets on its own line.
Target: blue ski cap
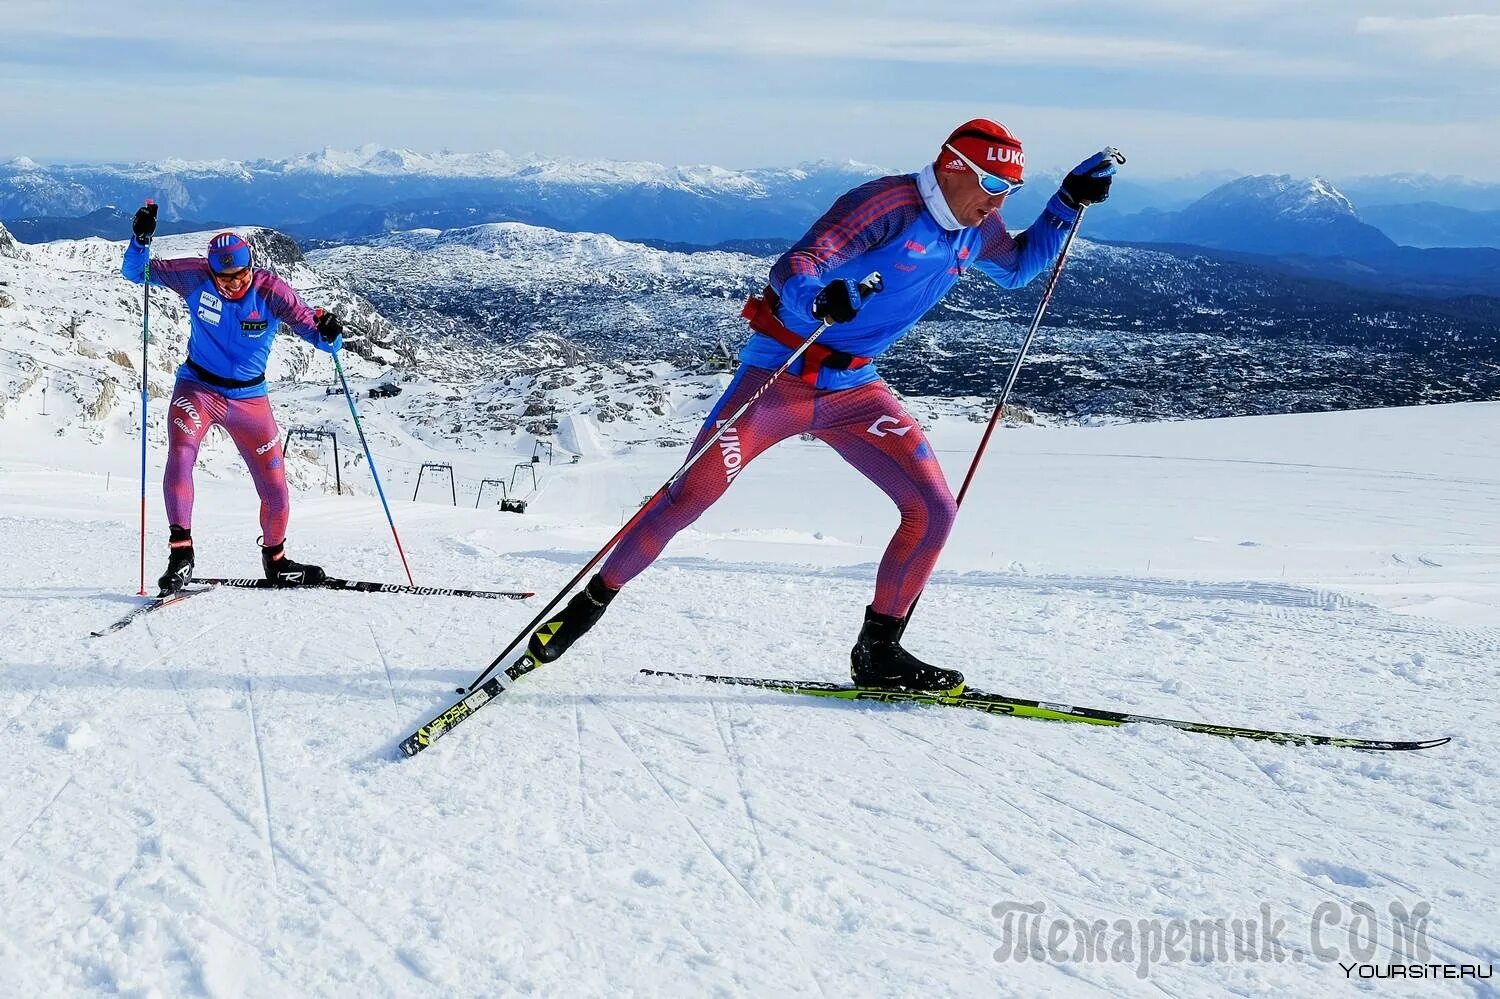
[227, 252]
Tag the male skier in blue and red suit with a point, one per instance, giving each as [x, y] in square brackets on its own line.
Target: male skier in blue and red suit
[921, 232]
[235, 311]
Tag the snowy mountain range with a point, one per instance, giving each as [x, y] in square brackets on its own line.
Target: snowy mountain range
[1261, 214]
[343, 194]
[335, 194]
[1306, 227]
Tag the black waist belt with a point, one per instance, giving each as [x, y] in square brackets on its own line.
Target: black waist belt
[207, 377]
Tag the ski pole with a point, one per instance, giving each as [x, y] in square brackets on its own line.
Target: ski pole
[371, 460]
[145, 340]
[1015, 368]
[869, 286]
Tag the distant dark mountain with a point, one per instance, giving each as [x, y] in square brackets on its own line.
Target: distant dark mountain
[1428, 223]
[1263, 214]
[1437, 272]
[771, 247]
[108, 222]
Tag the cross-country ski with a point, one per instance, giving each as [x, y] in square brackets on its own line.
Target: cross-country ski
[149, 606]
[365, 586]
[998, 704]
[328, 583]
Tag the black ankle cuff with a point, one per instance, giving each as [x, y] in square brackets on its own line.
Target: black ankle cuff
[598, 592]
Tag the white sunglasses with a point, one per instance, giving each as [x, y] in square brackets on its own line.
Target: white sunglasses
[989, 183]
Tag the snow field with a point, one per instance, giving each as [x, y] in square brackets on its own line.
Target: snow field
[208, 802]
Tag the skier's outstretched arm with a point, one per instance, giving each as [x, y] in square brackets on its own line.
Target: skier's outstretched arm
[1011, 261]
[180, 275]
[321, 329]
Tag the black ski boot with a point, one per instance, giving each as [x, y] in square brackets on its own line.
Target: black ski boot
[179, 562]
[552, 639]
[878, 660]
[282, 571]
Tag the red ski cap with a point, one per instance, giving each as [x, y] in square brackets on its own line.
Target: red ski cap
[989, 144]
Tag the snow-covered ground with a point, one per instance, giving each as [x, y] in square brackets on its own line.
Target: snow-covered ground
[208, 801]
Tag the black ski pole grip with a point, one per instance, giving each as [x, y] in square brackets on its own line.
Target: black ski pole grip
[872, 284]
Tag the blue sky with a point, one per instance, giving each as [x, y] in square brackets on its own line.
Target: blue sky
[1248, 86]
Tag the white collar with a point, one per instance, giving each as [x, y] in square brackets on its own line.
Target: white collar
[932, 196]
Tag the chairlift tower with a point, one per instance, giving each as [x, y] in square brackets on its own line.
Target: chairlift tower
[314, 434]
[528, 466]
[437, 466]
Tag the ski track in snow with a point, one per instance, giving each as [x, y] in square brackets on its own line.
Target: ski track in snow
[207, 802]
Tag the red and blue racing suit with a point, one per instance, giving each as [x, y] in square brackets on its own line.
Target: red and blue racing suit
[222, 381]
[890, 225]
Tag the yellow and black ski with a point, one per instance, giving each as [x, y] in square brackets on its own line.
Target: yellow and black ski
[998, 704]
[461, 709]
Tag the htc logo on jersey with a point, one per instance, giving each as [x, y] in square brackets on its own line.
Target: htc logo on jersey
[729, 449]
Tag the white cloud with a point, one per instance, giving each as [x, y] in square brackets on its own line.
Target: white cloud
[868, 35]
[1471, 37]
[928, 40]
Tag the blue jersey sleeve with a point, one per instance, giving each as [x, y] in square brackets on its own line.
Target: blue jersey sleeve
[288, 307]
[864, 219]
[1011, 261]
[181, 275]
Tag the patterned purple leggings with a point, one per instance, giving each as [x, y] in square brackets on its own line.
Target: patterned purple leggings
[865, 425]
[250, 424]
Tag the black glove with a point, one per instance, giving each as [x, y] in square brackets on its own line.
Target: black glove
[839, 302]
[1088, 184]
[330, 328]
[144, 224]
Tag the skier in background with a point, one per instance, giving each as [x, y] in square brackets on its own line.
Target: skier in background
[235, 312]
[921, 232]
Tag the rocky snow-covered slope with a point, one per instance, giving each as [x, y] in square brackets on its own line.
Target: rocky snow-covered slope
[70, 331]
[1132, 333]
[70, 335]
